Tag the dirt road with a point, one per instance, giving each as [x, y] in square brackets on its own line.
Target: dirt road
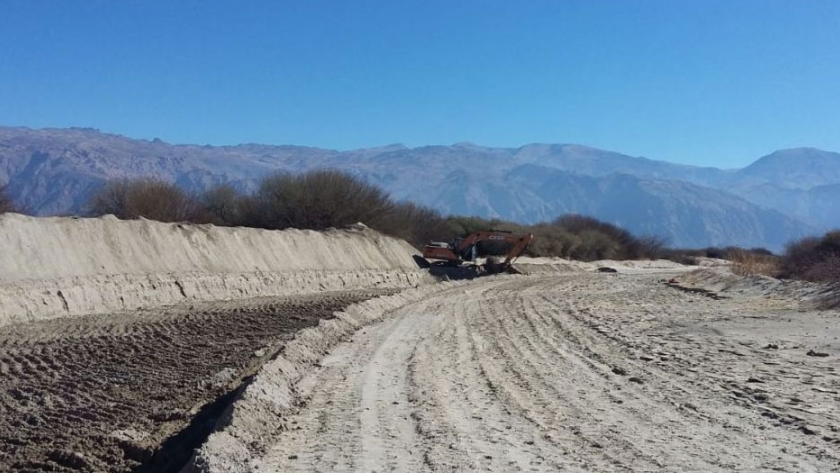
[137, 391]
[578, 372]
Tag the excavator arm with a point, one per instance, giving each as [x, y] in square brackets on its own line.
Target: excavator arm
[518, 247]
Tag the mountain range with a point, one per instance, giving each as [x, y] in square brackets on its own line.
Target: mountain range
[780, 197]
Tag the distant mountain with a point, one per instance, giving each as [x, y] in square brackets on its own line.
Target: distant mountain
[688, 214]
[54, 171]
[818, 206]
[799, 168]
[803, 183]
[595, 162]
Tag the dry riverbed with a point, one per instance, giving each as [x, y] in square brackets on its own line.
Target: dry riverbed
[571, 371]
[578, 371]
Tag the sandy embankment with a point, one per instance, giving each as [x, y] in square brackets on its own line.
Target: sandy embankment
[56, 267]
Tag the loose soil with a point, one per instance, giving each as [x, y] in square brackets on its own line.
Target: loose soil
[137, 391]
[557, 371]
[579, 372]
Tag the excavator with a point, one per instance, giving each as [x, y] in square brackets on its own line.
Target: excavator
[464, 249]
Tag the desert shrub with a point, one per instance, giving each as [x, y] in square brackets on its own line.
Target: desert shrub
[550, 240]
[624, 244]
[416, 224]
[319, 200]
[652, 247]
[595, 245]
[813, 259]
[225, 205]
[682, 255]
[569, 236]
[747, 261]
[461, 225]
[799, 256]
[717, 253]
[751, 262]
[148, 198]
[825, 270]
[328, 198]
[6, 202]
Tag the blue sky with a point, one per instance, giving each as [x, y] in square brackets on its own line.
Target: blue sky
[702, 82]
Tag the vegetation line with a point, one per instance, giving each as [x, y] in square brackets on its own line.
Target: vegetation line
[323, 199]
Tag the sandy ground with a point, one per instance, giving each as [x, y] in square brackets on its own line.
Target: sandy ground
[563, 369]
[137, 391]
[575, 371]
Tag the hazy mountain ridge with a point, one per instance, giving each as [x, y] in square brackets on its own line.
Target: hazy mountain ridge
[54, 171]
[800, 168]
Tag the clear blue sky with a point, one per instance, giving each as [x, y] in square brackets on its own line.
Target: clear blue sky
[701, 82]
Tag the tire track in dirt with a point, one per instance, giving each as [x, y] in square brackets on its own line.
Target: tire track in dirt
[136, 391]
[581, 372]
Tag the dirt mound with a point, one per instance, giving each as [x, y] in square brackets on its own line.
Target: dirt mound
[722, 280]
[53, 267]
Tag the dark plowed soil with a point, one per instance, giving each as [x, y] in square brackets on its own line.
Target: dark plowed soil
[138, 391]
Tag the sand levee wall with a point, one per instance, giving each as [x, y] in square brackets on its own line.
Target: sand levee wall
[58, 266]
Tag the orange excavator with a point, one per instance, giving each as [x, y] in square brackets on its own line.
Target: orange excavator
[464, 249]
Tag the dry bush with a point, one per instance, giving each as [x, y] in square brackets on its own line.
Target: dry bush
[652, 247]
[461, 225]
[716, 253]
[799, 257]
[813, 259]
[687, 260]
[319, 200]
[825, 270]
[550, 240]
[569, 236]
[225, 205]
[6, 202]
[595, 245]
[607, 240]
[328, 198]
[148, 198]
[748, 263]
[623, 245]
[416, 224]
